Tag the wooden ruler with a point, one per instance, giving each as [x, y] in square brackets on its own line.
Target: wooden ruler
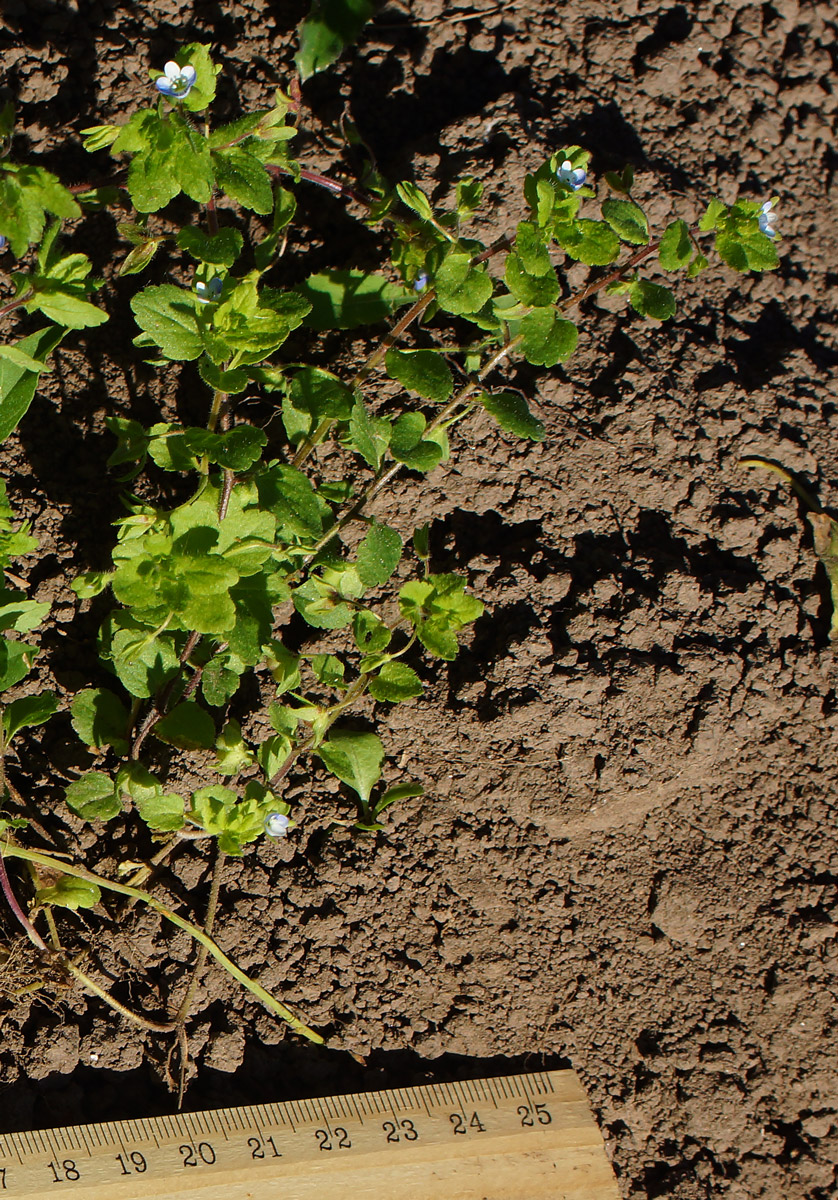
[518, 1137]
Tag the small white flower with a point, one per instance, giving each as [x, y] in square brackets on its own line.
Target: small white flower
[205, 293]
[176, 81]
[421, 282]
[768, 219]
[574, 177]
[277, 825]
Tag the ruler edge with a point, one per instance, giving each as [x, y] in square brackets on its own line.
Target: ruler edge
[226, 1114]
[562, 1088]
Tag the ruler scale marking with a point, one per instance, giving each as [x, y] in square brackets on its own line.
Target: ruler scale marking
[532, 1136]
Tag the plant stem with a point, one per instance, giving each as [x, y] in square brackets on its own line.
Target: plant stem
[13, 304]
[194, 931]
[160, 702]
[378, 355]
[182, 1013]
[19, 914]
[353, 693]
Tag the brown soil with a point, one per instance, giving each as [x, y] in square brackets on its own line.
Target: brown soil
[626, 859]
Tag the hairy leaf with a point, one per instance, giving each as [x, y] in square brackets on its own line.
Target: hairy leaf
[511, 412]
[378, 555]
[422, 371]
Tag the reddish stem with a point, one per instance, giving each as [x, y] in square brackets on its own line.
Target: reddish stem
[11, 900]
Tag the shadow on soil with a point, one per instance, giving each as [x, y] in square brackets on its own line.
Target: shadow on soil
[269, 1074]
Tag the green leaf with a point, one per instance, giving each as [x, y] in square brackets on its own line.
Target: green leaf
[652, 300]
[697, 265]
[329, 670]
[628, 221]
[93, 797]
[18, 383]
[547, 339]
[253, 321]
[138, 259]
[28, 711]
[15, 355]
[321, 606]
[422, 371]
[15, 662]
[288, 494]
[408, 446]
[754, 252]
[676, 246]
[283, 666]
[622, 181]
[355, 758]
[187, 726]
[91, 583]
[395, 682]
[143, 662]
[193, 167]
[68, 892]
[243, 178]
[220, 249]
[239, 448]
[100, 719]
[162, 811]
[136, 782]
[591, 242]
[321, 394]
[402, 791]
[370, 633]
[368, 435]
[531, 250]
[235, 822]
[152, 181]
[347, 299]
[20, 614]
[202, 92]
[27, 194]
[218, 681]
[99, 137]
[65, 304]
[537, 290]
[461, 289]
[378, 555]
[330, 26]
[469, 195]
[273, 753]
[415, 198]
[219, 380]
[511, 412]
[167, 314]
[438, 608]
[716, 210]
[233, 753]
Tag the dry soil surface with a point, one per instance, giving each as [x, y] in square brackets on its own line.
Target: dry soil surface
[626, 856]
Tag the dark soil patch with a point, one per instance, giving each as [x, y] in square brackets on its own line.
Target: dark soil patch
[626, 859]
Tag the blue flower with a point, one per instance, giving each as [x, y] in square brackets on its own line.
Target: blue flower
[277, 825]
[206, 293]
[2, 243]
[574, 177]
[176, 81]
[421, 282]
[767, 219]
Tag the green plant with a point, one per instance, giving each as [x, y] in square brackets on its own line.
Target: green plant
[201, 591]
